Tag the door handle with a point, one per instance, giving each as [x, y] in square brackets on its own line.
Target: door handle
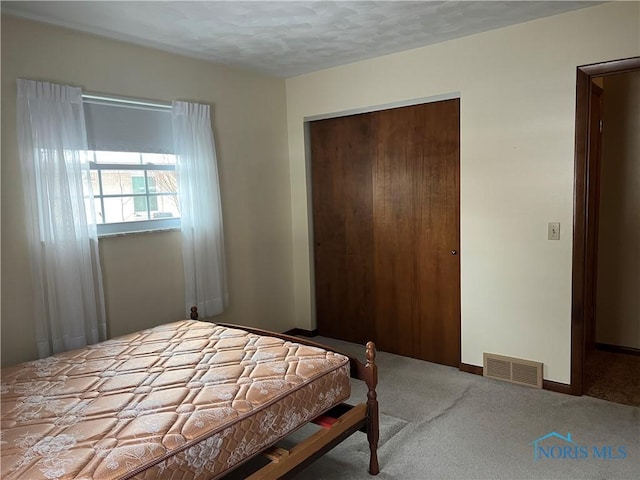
[454, 252]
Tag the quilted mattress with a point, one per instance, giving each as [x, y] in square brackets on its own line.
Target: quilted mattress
[187, 400]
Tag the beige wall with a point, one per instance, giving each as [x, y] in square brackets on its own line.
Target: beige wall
[517, 89]
[618, 303]
[143, 273]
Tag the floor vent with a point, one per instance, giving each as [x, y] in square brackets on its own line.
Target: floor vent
[514, 370]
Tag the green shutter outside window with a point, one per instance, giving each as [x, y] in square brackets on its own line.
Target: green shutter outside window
[140, 203]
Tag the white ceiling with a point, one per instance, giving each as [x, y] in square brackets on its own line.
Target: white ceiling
[287, 38]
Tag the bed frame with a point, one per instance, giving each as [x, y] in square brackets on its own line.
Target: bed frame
[338, 423]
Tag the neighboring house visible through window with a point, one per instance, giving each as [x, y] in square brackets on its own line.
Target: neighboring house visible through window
[132, 165]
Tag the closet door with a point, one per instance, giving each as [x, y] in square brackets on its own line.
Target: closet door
[342, 154]
[416, 231]
[386, 227]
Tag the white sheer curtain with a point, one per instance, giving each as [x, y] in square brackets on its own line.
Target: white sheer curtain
[63, 245]
[200, 209]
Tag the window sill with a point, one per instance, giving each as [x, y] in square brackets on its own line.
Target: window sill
[138, 232]
[105, 229]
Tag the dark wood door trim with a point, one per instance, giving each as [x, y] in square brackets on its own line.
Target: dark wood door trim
[581, 214]
[593, 207]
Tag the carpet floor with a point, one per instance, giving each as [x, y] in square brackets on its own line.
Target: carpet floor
[440, 423]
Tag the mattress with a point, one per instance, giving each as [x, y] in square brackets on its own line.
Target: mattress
[187, 400]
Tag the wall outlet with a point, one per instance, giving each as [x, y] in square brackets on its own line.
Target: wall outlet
[554, 231]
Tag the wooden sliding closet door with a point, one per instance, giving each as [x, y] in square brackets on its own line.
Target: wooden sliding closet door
[416, 232]
[386, 226]
[343, 226]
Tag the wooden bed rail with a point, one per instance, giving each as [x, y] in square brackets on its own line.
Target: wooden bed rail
[367, 372]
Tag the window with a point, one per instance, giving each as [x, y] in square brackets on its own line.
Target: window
[134, 191]
[133, 168]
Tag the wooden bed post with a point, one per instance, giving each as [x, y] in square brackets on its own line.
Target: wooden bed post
[373, 428]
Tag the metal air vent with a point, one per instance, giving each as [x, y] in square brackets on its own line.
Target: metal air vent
[514, 370]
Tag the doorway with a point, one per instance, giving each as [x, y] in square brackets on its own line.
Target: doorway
[584, 324]
[386, 222]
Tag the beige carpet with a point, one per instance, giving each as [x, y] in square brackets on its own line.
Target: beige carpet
[438, 423]
[463, 426]
[613, 376]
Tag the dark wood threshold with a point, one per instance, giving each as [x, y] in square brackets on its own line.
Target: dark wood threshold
[301, 332]
[617, 349]
[546, 384]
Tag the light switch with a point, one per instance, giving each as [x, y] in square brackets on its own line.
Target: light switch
[554, 230]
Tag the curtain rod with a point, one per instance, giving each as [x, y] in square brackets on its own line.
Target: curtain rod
[125, 101]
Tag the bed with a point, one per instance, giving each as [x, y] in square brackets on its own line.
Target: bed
[186, 400]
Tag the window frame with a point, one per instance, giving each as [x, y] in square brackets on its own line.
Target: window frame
[155, 224]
